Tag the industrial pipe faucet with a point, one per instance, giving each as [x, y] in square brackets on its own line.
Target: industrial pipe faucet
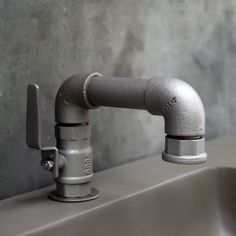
[71, 159]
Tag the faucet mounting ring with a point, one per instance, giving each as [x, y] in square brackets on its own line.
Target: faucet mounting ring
[93, 195]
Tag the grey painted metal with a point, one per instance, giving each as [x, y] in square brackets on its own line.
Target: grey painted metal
[85, 89]
[33, 126]
[184, 151]
[179, 104]
[72, 168]
[71, 105]
[171, 98]
[73, 183]
[118, 92]
[33, 130]
[174, 99]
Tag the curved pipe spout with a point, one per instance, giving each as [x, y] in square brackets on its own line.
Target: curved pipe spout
[174, 99]
[179, 104]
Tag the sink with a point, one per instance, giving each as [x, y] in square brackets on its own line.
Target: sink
[199, 203]
[147, 197]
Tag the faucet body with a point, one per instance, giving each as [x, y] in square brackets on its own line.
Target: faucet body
[174, 99]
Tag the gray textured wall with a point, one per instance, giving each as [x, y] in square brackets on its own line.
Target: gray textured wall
[45, 41]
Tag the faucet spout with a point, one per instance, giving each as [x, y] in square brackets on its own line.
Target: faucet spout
[174, 99]
[184, 115]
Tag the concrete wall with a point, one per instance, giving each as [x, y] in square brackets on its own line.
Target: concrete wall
[45, 41]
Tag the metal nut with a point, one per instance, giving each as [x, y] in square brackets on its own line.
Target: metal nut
[184, 151]
[47, 165]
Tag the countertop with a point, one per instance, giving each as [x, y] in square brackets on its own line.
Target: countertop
[27, 213]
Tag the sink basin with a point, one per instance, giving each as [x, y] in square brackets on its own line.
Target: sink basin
[199, 203]
[148, 197]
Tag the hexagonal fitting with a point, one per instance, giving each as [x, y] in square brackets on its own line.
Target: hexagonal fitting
[184, 151]
[47, 165]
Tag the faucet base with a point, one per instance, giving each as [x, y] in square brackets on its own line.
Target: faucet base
[93, 195]
[184, 151]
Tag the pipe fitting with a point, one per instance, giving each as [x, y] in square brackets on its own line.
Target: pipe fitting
[72, 104]
[184, 151]
[179, 104]
[174, 99]
[184, 116]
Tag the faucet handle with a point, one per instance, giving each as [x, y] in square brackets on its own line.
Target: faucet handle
[33, 125]
[50, 155]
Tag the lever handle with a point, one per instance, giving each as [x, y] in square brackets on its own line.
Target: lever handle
[33, 119]
[50, 156]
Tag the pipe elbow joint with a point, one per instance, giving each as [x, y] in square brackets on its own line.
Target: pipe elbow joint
[184, 116]
[179, 104]
[71, 106]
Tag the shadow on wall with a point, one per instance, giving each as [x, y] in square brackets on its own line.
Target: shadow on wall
[133, 44]
[213, 56]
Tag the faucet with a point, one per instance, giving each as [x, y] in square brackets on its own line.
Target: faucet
[71, 159]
